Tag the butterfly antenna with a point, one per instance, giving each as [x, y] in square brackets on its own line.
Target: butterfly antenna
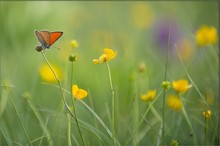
[56, 47]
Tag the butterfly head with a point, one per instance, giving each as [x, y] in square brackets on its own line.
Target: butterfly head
[38, 48]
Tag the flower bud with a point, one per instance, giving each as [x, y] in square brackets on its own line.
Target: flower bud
[166, 85]
[72, 57]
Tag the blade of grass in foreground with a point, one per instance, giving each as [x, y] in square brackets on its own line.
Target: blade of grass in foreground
[5, 133]
[187, 73]
[143, 118]
[40, 119]
[147, 128]
[16, 110]
[4, 100]
[92, 112]
[95, 132]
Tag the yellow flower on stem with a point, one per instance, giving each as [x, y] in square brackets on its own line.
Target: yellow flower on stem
[207, 114]
[47, 75]
[174, 103]
[181, 86]
[206, 35]
[79, 93]
[74, 44]
[149, 96]
[108, 55]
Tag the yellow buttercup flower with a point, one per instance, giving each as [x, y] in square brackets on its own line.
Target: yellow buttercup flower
[47, 75]
[207, 114]
[181, 86]
[74, 44]
[206, 35]
[174, 103]
[79, 93]
[108, 55]
[149, 96]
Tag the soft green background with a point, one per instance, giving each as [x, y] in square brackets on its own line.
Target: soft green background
[96, 25]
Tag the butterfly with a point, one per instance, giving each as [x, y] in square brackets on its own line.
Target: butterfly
[46, 38]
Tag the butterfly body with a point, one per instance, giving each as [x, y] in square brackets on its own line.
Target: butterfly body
[46, 38]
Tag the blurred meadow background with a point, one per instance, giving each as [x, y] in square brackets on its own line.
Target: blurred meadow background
[145, 35]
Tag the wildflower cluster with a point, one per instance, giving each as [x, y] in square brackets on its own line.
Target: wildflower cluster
[180, 86]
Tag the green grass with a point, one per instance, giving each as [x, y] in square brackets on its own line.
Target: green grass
[34, 111]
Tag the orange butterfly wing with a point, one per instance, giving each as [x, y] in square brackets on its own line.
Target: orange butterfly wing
[54, 36]
[46, 36]
[42, 37]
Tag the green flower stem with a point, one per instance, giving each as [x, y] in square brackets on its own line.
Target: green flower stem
[163, 117]
[16, 110]
[74, 109]
[187, 120]
[205, 121]
[113, 104]
[60, 85]
[187, 73]
[150, 106]
[92, 107]
[154, 111]
[205, 131]
[164, 91]
[69, 129]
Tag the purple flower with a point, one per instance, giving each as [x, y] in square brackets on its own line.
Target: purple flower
[167, 30]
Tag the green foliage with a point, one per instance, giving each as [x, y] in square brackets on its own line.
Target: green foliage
[32, 111]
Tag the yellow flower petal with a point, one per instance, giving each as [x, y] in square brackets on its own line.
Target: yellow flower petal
[103, 58]
[74, 89]
[206, 35]
[149, 96]
[74, 44]
[108, 55]
[47, 75]
[79, 93]
[96, 61]
[174, 103]
[82, 94]
[181, 86]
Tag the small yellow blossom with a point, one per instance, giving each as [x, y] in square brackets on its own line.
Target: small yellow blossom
[74, 44]
[206, 35]
[79, 93]
[149, 96]
[207, 114]
[108, 55]
[47, 75]
[174, 103]
[181, 86]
